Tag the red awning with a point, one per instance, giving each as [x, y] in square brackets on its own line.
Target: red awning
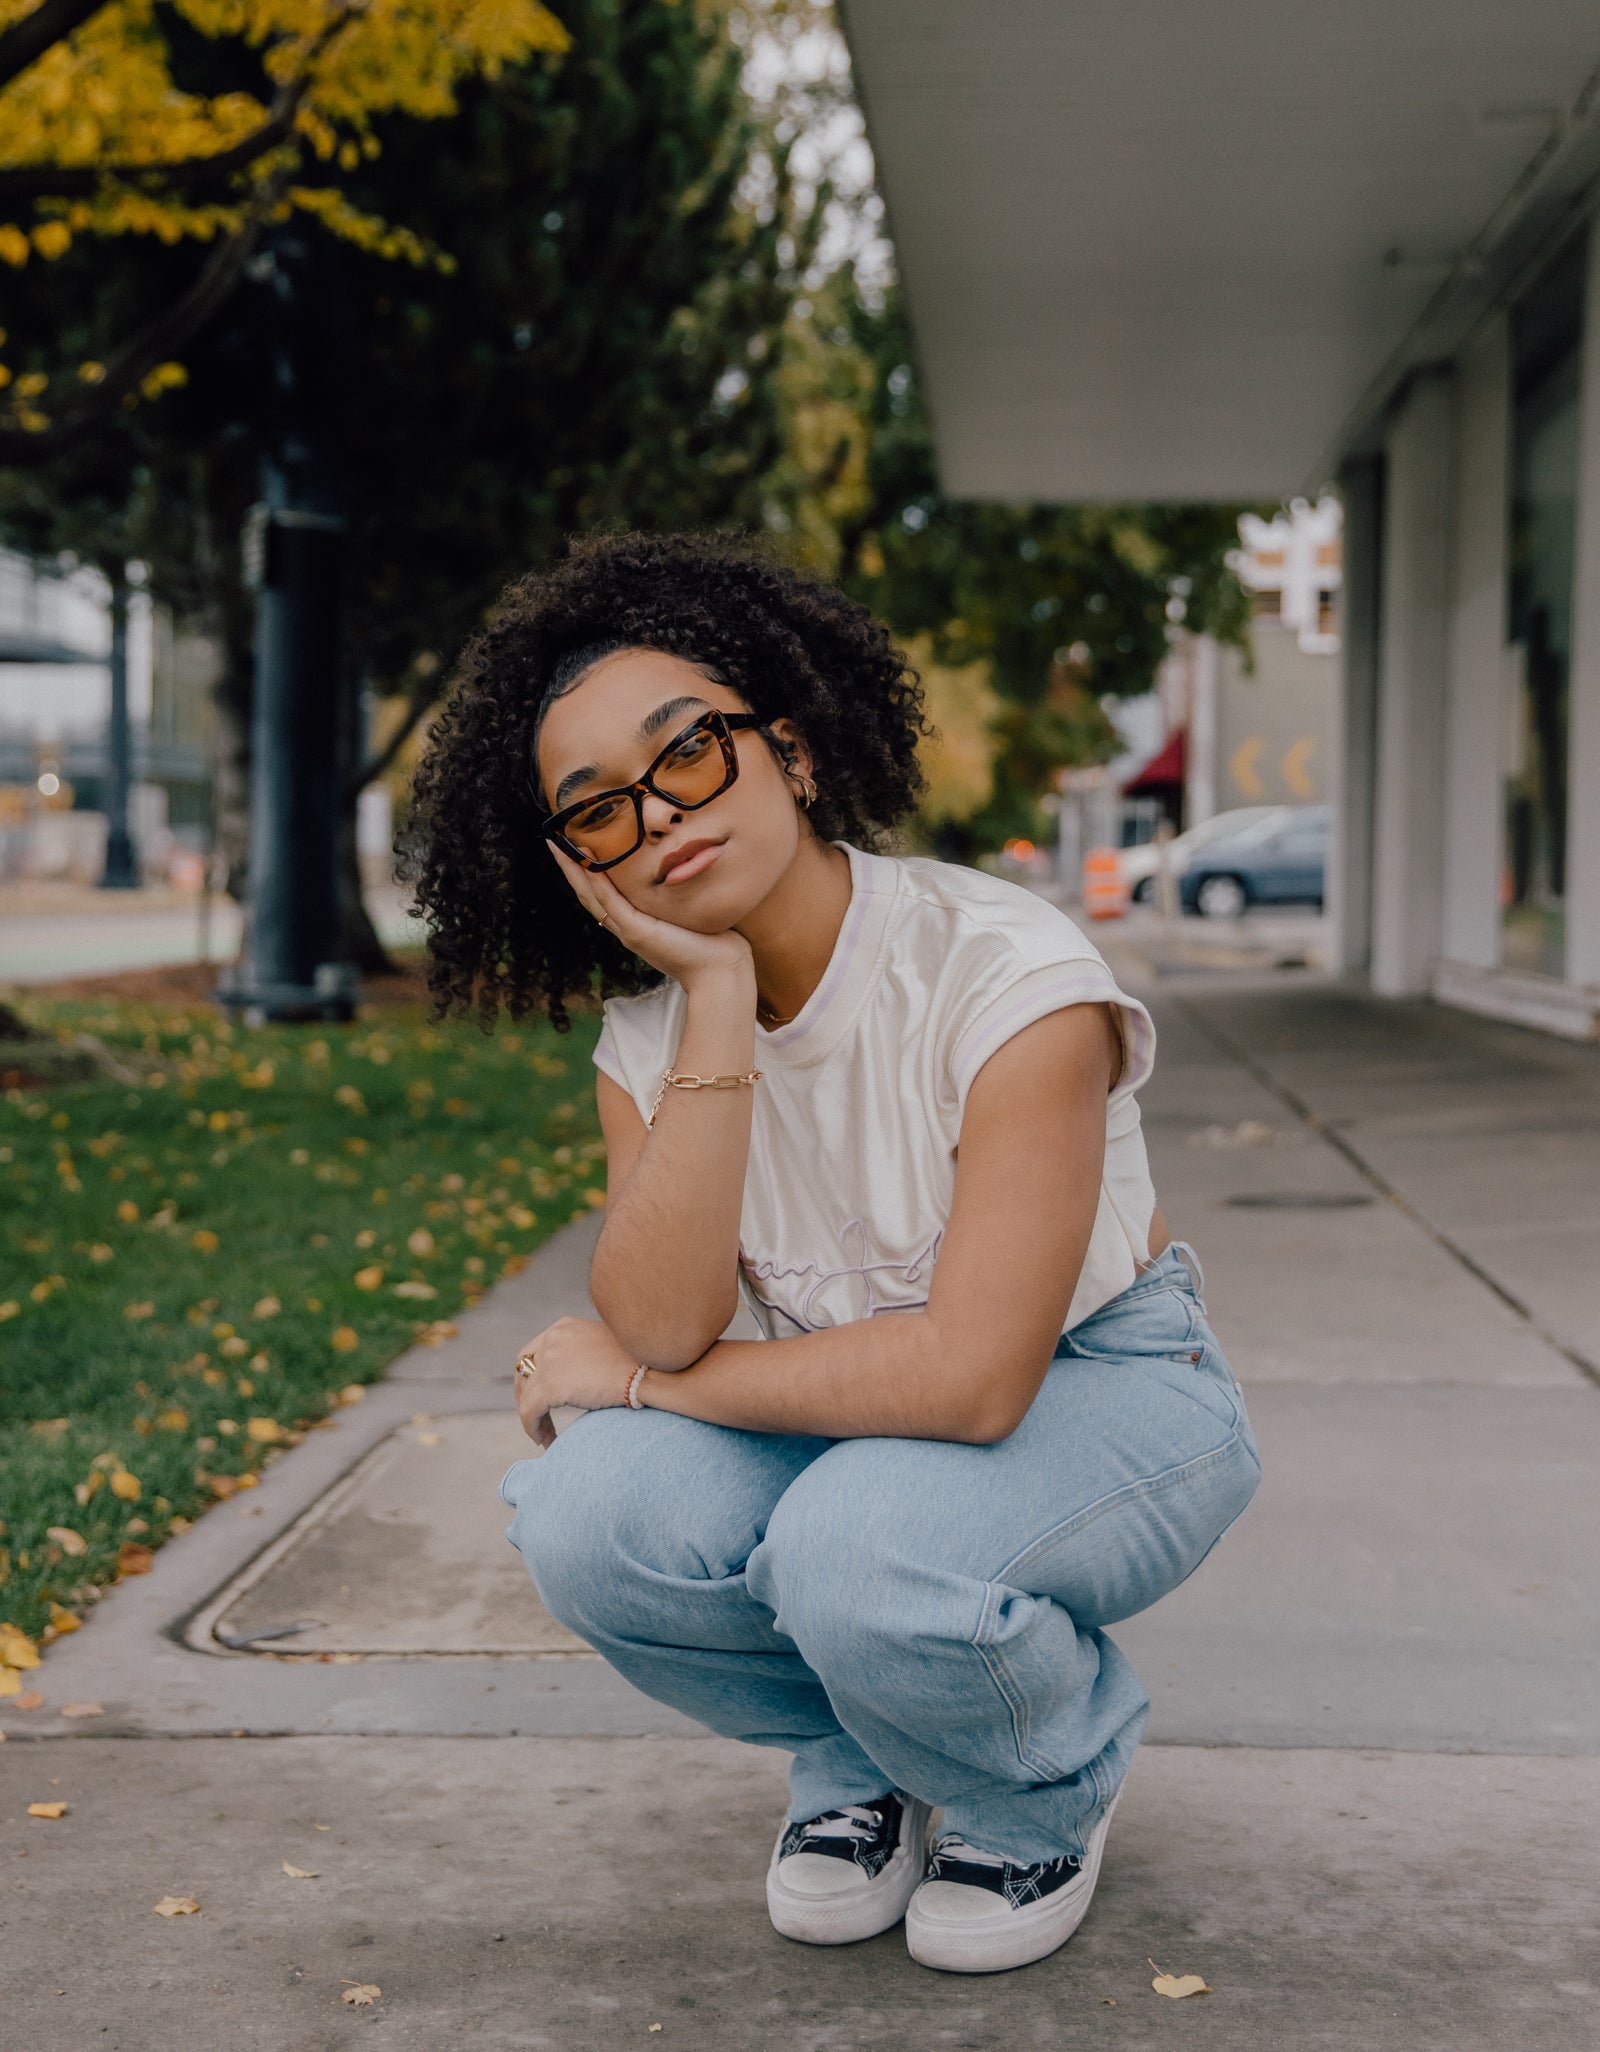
[1162, 771]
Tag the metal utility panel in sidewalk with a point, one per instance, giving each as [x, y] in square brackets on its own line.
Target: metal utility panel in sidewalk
[1166, 251]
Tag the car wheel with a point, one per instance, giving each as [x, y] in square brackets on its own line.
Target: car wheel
[1221, 897]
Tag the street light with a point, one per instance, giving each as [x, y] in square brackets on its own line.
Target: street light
[294, 551]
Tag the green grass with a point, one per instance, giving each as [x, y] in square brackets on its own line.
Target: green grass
[367, 1180]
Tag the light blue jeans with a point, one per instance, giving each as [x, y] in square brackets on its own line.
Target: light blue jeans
[912, 1613]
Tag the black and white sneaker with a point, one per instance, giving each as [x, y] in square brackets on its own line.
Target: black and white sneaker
[849, 1873]
[979, 1913]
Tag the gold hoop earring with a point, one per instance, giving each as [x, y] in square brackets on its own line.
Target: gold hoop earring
[805, 789]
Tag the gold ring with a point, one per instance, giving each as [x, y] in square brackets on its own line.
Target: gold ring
[526, 1364]
[604, 918]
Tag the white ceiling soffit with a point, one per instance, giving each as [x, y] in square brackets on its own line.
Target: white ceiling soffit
[1177, 249]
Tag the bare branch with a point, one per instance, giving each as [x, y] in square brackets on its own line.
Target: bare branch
[51, 22]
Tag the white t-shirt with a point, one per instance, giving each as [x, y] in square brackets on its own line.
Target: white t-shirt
[852, 1150]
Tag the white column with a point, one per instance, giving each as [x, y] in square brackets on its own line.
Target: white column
[1408, 810]
[1350, 866]
[1583, 747]
[1475, 707]
[1200, 767]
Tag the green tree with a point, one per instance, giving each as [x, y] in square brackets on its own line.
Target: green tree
[1061, 606]
[595, 355]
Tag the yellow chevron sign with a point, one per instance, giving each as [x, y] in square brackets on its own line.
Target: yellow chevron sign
[1294, 768]
[1242, 766]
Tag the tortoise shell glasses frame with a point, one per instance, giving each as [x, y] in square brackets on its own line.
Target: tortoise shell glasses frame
[700, 760]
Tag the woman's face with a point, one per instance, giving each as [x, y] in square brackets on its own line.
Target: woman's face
[704, 869]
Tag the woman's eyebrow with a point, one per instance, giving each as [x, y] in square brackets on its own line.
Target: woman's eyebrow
[652, 723]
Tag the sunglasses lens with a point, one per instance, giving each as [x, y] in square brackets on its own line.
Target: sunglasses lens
[695, 770]
[605, 830]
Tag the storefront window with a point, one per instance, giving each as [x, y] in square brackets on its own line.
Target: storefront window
[1546, 333]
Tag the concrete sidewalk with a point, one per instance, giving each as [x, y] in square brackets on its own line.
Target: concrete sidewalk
[53, 929]
[1368, 1810]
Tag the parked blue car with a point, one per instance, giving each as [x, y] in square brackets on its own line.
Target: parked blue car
[1281, 860]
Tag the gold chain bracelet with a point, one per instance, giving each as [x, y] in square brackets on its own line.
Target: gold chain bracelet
[671, 1080]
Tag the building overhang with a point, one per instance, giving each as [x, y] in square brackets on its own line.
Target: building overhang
[1189, 249]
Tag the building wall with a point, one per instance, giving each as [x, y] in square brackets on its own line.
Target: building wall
[1439, 747]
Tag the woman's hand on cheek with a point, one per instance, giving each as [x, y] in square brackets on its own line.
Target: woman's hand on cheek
[577, 1361]
[676, 951]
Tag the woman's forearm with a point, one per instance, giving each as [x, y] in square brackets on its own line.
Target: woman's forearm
[894, 1377]
[665, 1271]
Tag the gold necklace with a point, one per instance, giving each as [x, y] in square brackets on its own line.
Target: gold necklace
[768, 1017]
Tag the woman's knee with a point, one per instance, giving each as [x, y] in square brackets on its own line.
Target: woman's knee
[625, 1500]
[829, 1567]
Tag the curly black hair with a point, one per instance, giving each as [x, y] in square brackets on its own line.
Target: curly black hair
[503, 924]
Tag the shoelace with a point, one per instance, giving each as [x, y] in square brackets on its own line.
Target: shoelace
[955, 1847]
[853, 1821]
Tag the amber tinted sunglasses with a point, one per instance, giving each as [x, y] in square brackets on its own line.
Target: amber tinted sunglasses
[696, 766]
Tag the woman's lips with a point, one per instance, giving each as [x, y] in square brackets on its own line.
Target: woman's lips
[690, 861]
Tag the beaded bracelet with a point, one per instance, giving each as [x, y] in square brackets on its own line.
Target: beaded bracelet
[631, 1396]
[671, 1080]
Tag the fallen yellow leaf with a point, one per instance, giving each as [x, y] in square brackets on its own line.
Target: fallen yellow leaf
[16, 1648]
[420, 1291]
[176, 1906]
[83, 1709]
[345, 1339]
[420, 1242]
[32, 1700]
[361, 1994]
[48, 1809]
[137, 1311]
[128, 1211]
[265, 1431]
[9, 1309]
[1176, 1986]
[10, 1681]
[353, 1393]
[369, 1278]
[63, 1620]
[267, 1307]
[300, 1873]
[70, 1542]
[122, 1484]
[134, 1558]
[204, 1241]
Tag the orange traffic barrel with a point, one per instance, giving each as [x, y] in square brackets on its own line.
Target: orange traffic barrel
[1105, 895]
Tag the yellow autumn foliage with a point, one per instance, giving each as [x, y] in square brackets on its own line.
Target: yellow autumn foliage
[101, 108]
[104, 98]
[958, 761]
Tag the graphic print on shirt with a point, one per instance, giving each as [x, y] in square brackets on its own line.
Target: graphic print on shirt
[859, 1295]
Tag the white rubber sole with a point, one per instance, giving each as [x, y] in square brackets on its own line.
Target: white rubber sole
[1012, 1938]
[856, 1913]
